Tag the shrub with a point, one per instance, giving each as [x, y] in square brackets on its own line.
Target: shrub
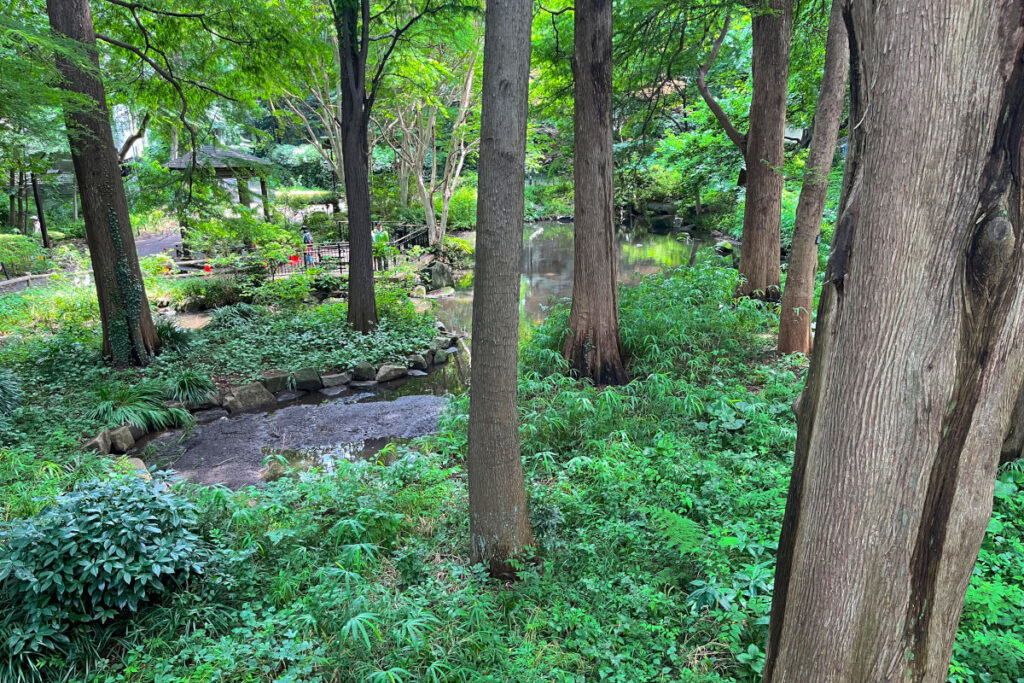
[69, 574]
[171, 335]
[141, 405]
[209, 292]
[239, 314]
[462, 208]
[10, 392]
[288, 292]
[21, 254]
[191, 388]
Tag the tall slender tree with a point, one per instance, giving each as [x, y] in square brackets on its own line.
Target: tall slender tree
[499, 518]
[762, 144]
[592, 346]
[129, 337]
[919, 351]
[798, 297]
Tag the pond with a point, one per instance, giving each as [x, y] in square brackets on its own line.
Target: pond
[548, 257]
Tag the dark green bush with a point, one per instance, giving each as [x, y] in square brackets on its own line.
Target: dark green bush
[141, 404]
[71, 573]
[209, 292]
[10, 392]
[191, 387]
[171, 335]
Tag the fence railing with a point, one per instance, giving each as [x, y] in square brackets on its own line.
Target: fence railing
[333, 257]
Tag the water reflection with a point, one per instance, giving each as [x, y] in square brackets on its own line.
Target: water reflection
[548, 257]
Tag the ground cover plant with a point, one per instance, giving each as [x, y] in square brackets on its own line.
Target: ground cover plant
[656, 508]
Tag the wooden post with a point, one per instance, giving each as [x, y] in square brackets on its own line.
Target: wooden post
[266, 199]
[244, 197]
[39, 210]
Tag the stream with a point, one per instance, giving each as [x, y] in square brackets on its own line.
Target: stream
[317, 429]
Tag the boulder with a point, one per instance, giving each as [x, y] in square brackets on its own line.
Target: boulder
[428, 356]
[361, 384]
[99, 443]
[439, 325]
[307, 379]
[336, 380]
[121, 439]
[442, 293]
[275, 381]
[364, 372]
[389, 372]
[248, 397]
[137, 431]
[440, 357]
[418, 292]
[163, 302]
[205, 416]
[724, 247]
[418, 362]
[437, 275]
[139, 469]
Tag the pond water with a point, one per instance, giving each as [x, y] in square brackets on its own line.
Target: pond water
[548, 257]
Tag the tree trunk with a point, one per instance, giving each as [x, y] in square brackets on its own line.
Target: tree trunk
[355, 119]
[39, 210]
[129, 337]
[22, 204]
[798, 297]
[592, 346]
[404, 173]
[919, 351]
[499, 521]
[433, 235]
[762, 217]
[265, 196]
[244, 195]
[12, 213]
[74, 199]
[174, 142]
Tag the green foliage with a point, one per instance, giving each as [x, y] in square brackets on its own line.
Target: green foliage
[462, 207]
[191, 388]
[286, 292]
[171, 335]
[549, 200]
[11, 394]
[21, 254]
[209, 292]
[141, 404]
[69, 575]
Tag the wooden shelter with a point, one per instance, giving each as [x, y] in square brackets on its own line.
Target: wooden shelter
[227, 163]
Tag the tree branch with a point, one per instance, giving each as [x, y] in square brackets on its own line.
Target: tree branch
[738, 138]
[132, 139]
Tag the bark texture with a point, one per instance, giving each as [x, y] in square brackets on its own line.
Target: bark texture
[592, 346]
[919, 350]
[129, 337]
[760, 255]
[798, 297]
[352, 20]
[499, 517]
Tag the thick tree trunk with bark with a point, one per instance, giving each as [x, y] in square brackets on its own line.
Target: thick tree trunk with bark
[38, 196]
[355, 120]
[760, 255]
[498, 513]
[919, 350]
[798, 297]
[592, 346]
[129, 337]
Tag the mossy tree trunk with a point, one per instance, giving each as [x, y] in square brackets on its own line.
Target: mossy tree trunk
[919, 350]
[499, 520]
[129, 337]
[592, 346]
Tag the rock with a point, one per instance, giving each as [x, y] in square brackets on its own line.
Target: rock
[442, 293]
[330, 301]
[428, 356]
[724, 247]
[248, 397]
[205, 416]
[364, 372]
[439, 325]
[275, 381]
[389, 372]
[99, 443]
[137, 431]
[163, 302]
[140, 469]
[418, 292]
[333, 391]
[453, 340]
[418, 362]
[417, 373]
[289, 395]
[121, 439]
[306, 379]
[336, 380]
[437, 275]
[441, 357]
[367, 384]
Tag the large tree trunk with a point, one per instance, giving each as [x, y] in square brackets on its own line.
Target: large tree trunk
[919, 350]
[798, 297]
[38, 196]
[762, 217]
[355, 119]
[129, 337]
[592, 345]
[499, 521]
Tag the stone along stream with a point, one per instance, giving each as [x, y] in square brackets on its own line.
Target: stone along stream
[319, 428]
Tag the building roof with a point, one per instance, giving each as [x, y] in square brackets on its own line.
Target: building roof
[223, 161]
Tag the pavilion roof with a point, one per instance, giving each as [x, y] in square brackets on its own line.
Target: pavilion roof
[220, 160]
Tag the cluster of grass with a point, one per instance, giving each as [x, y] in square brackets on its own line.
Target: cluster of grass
[656, 508]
